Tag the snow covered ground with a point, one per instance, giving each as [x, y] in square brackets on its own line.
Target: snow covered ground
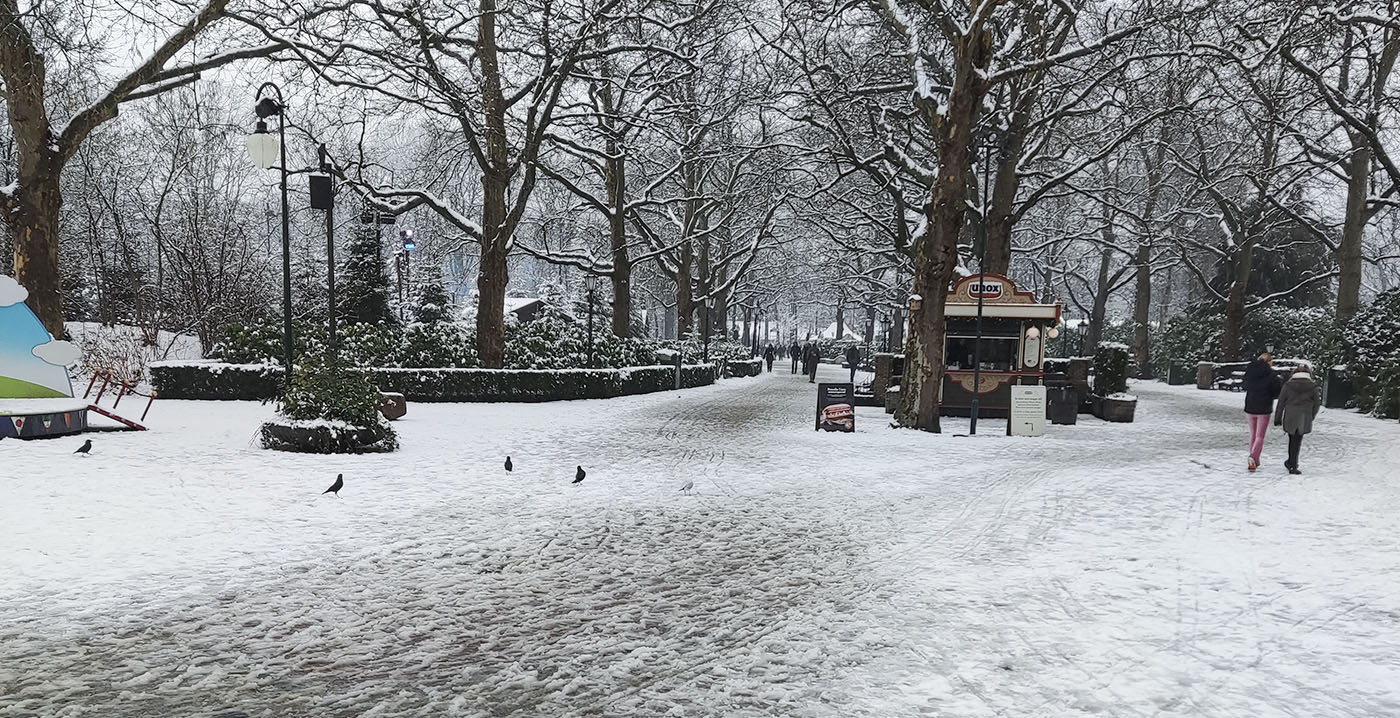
[1102, 570]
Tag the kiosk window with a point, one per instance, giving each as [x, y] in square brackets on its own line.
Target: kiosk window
[998, 353]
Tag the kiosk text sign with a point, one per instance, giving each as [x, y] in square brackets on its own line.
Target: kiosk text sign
[1027, 411]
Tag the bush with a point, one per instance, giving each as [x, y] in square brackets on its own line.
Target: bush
[1306, 333]
[327, 406]
[1110, 369]
[440, 344]
[1372, 349]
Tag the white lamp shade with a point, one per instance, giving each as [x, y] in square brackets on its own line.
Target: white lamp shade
[262, 148]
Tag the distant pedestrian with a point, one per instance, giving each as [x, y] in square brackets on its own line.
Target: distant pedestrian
[796, 352]
[1261, 387]
[1298, 404]
[769, 354]
[853, 360]
[813, 356]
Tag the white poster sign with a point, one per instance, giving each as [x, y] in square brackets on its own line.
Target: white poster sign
[1027, 410]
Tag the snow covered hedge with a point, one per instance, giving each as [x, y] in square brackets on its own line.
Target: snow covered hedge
[744, 367]
[1110, 369]
[1373, 352]
[214, 380]
[206, 380]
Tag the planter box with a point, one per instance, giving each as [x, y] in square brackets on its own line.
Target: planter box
[1115, 410]
[325, 439]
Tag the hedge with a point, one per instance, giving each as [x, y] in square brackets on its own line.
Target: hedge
[744, 367]
[209, 380]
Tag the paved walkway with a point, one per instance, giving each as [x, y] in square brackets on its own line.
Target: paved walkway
[1121, 570]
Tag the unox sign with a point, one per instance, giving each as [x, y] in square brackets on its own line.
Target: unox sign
[987, 288]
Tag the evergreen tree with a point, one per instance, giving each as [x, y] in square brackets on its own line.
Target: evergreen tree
[363, 287]
[431, 305]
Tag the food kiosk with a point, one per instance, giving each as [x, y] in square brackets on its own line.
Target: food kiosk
[1014, 331]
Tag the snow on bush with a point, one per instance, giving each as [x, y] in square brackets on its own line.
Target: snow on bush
[1372, 341]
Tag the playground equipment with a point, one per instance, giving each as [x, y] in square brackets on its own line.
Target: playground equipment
[124, 389]
[36, 393]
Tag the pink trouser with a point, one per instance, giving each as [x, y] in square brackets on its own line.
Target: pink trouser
[1258, 427]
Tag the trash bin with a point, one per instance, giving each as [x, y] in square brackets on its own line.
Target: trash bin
[1205, 375]
[1062, 405]
[1177, 373]
[1336, 388]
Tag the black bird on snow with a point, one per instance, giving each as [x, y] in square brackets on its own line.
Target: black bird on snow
[509, 466]
[336, 487]
[85, 448]
[579, 475]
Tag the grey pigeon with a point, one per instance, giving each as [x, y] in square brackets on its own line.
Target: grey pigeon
[336, 487]
[85, 448]
[509, 466]
[690, 484]
[578, 475]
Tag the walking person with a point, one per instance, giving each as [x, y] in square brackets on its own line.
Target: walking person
[1261, 387]
[853, 360]
[769, 354]
[796, 352]
[814, 357]
[1298, 404]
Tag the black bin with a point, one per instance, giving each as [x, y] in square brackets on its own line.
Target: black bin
[1062, 405]
[1336, 388]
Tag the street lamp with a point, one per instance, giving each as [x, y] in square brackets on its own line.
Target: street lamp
[265, 151]
[992, 141]
[885, 326]
[590, 283]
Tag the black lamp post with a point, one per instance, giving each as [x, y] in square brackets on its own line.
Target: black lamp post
[322, 187]
[991, 142]
[885, 326]
[265, 151]
[590, 283]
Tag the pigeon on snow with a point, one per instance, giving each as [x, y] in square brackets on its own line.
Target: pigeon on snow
[336, 487]
[579, 475]
[689, 484]
[509, 466]
[85, 448]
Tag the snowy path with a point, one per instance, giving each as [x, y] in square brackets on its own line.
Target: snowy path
[1108, 570]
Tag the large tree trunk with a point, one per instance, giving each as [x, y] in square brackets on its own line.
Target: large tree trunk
[1142, 311]
[936, 249]
[494, 273]
[1233, 335]
[622, 263]
[1000, 221]
[685, 301]
[1098, 314]
[1353, 228]
[32, 221]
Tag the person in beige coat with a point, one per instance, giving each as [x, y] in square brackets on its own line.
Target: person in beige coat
[1298, 404]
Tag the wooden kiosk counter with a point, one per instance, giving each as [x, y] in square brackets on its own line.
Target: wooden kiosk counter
[1014, 331]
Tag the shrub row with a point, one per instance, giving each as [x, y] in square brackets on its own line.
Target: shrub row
[207, 380]
[743, 367]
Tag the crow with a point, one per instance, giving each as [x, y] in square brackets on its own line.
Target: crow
[85, 448]
[690, 484]
[336, 487]
[509, 466]
[578, 475]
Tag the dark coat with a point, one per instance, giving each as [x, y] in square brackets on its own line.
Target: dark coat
[769, 353]
[1261, 387]
[1298, 403]
[852, 356]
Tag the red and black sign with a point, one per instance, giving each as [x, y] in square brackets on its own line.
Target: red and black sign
[835, 408]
